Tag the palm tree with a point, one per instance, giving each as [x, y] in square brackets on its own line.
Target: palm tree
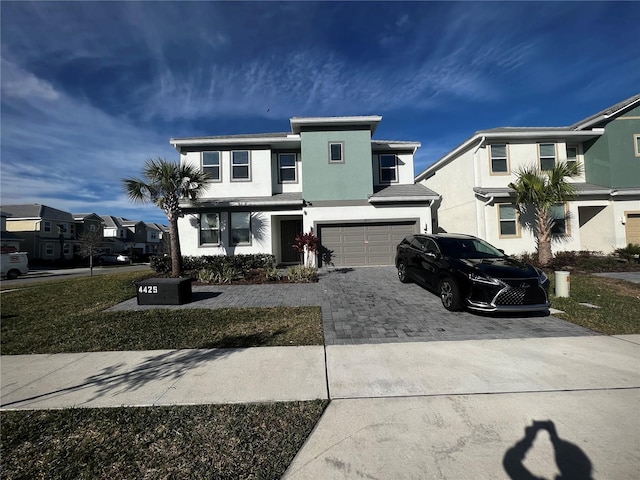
[542, 190]
[164, 185]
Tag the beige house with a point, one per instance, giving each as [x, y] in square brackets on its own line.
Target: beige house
[473, 179]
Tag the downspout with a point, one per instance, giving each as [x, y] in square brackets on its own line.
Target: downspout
[476, 180]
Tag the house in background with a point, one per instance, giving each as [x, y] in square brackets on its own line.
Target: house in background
[327, 174]
[473, 179]
[154, 242]
[48, 233]
[87, 223]
[9, 240]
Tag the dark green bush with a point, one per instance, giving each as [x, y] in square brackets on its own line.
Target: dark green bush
[193, 264]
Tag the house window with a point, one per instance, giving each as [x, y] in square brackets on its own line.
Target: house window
[72, 228]
[211, 165]
[336, 152]
[48, 249]
[62, 228]
[240, 228]
[65, 249]
[240, 165]
[636, 144]
[559, 215]
[508, 220]
[287, 167]
[572, 155]
[388, 169]
[210, 228]
[92, 228]
[46, 226]
[499, 160]
[547, 153]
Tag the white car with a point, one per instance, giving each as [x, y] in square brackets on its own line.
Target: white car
[14, 264]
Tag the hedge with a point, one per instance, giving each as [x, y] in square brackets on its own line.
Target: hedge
[162, 264]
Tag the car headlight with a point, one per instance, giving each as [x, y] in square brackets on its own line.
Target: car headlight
[474, 277]
[542, 277]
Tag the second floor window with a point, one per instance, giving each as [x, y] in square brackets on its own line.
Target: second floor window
[547, 153]
[46, 226]
[499, 161]
[210, 228]
[572, 154]
[336, 152]
[636, 144]
[287, 167]
[388, 169]
[211, 165]
[240, 165]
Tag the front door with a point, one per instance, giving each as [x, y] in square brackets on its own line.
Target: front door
[289, 229]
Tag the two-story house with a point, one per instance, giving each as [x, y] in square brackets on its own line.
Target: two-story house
[473, 182]
[328, 175]
[48, 233]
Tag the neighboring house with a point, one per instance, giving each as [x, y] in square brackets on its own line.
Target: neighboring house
[473, 179]
[87, 222]
[9, 240]
[327, 174]
[48, 233]
[132, 236]
[154, 238]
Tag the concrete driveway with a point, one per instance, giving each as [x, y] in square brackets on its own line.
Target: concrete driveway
[369, 305]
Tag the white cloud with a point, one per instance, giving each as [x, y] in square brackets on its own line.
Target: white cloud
[20, 84]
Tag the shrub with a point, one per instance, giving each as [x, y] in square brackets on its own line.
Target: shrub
[193, 264]
[300, 273]
[221, 273]
[631, 251]
[272, 274]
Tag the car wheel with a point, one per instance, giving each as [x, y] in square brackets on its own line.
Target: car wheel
[402, 273]
[450, 294]
[12, 274]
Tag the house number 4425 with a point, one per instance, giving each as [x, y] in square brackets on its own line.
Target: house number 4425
[148, 289]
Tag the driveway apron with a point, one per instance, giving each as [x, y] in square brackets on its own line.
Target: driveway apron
[370, 305]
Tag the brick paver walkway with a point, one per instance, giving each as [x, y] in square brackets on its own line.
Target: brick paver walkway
[370, 305]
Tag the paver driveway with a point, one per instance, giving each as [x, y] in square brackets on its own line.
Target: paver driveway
[370, 305]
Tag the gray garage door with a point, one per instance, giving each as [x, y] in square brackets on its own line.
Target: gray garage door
[363, 243]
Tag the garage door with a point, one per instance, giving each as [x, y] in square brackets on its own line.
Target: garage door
[633, 228]
[363, 243]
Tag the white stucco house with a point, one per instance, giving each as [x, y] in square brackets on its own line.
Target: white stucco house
[327, 174]
[472, 181]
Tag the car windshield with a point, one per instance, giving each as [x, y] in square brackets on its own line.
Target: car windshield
[468, 248]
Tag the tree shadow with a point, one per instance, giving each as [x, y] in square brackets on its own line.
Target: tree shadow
[572, 462]
[120, 377]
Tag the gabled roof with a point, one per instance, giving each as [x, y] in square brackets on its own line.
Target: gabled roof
[79, 217]
[577, 131]
[36, 211]
[110, 221]
[608, 113]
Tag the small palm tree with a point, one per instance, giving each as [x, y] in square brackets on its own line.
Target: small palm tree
[164, 185]
[542, 190]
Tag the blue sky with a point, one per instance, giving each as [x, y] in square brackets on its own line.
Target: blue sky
[90, 90]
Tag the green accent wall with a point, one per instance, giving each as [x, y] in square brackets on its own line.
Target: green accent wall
[610, 160]
[351, 180]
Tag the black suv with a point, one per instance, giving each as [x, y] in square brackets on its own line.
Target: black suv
[469, 272]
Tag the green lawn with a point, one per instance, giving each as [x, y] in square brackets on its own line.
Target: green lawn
[68, 316]
[619, 303]
[256, 441]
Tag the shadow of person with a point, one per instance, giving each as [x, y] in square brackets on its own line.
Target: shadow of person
[572, 462]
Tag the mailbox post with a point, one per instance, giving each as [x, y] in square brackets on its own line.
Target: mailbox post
[164, 291]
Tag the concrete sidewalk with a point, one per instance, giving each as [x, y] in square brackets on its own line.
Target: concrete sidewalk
[446, 410]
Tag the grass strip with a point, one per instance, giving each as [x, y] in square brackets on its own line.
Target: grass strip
[618, 302]
[68, 316]
[238, 441]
